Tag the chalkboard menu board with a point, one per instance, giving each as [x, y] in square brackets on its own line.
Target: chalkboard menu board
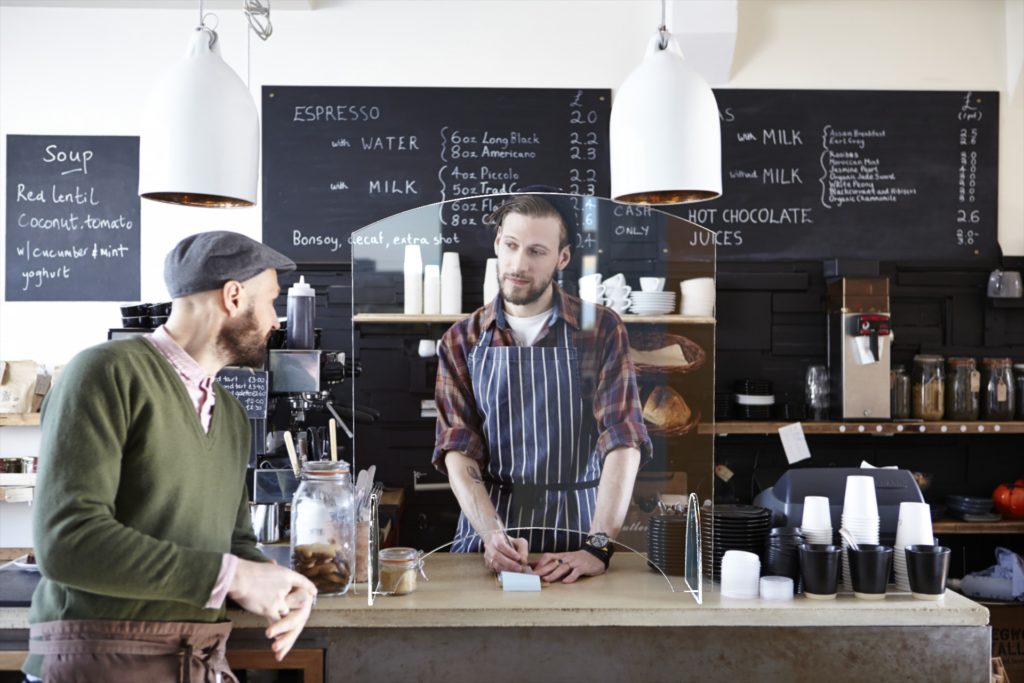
[72, 218]
[813, 174]
[249, 387]
[336, 159]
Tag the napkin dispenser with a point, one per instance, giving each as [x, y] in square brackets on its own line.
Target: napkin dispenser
[786, 498]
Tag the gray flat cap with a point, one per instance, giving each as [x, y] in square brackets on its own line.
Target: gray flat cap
[206, 261]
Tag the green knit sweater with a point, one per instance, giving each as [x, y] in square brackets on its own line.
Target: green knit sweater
[135, 503]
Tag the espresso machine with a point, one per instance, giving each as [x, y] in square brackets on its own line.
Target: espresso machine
[859, 348]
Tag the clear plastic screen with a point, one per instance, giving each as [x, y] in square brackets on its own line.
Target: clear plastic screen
[642, 270]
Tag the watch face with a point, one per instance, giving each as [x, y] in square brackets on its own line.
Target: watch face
[599, 541]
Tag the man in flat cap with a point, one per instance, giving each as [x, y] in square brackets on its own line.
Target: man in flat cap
[141, 523]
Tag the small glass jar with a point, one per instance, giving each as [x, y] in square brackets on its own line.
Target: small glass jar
[323, 534]
[1018, 372]
[398, 570]
[899, 387]
[998, 391]
[963, 382]
[928, 388]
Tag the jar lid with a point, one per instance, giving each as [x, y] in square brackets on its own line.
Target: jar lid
[961, 361]
[324, 469]
[399, 555]
[925, 358]
[996, 362]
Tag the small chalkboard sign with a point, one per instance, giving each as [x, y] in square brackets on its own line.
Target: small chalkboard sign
[249, 387]
[337, 159]
[72, 218]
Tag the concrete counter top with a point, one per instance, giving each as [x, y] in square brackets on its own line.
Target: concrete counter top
[463, 593]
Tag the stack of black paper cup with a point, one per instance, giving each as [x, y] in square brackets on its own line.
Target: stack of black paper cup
[782, 554]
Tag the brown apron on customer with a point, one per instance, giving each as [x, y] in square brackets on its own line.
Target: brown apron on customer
[97, 651]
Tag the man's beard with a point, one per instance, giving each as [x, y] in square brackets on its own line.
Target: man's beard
[531, 295]
[241, 342]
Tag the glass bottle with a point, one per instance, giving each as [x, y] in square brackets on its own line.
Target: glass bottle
[323, 535]
[998, 390]
[1018, 371]
[928, 388]
[900, 393]
[962, 386]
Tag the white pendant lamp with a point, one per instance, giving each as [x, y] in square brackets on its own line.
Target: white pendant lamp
[665, 136]
[200, 135]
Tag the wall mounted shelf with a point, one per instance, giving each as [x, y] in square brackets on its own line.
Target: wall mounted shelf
[865, 428]
[19, 419]
[402, 319]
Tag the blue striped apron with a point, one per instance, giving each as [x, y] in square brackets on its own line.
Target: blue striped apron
[542, 469]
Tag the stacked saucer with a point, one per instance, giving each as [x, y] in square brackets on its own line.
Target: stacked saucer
[860, 518]
[732, 527]
[652, 303]
[666, 543]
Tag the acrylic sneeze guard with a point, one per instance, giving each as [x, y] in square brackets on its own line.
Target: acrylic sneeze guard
[673, 358]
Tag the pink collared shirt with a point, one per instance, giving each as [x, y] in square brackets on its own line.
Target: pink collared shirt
[199, 386]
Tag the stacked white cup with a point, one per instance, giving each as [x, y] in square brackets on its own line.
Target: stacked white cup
[817, 520]
[860, 518]
[591, 288]
[698, 296]
[616, 293]
[741, 574]
[914, 528]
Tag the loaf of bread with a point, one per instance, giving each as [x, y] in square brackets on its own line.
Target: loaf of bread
[666, 409]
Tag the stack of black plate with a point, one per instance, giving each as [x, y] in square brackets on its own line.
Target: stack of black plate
[782, 554]
[970, 508]
[666, 543]
[732, 527]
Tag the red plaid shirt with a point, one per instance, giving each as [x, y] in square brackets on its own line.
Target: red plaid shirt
[606, 370]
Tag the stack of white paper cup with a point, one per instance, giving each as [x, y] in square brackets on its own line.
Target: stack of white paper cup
[741, 573]
[412, 272]
[776, 588]
[491, 284]
[698, 296]
[914, 528]
[860, 518]
[451, 284]
[817, 520]
[431, 290]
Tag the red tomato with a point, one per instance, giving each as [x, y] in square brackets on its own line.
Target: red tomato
[1009, 499]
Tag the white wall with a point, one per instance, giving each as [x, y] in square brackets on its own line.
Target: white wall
[88, 71]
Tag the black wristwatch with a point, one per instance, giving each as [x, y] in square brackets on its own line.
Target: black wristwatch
[600, 546]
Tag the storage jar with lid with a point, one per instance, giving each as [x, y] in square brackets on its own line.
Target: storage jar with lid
[398, 570]
[900, 393]
[1018, 372]
[323, 538]
[997, 389]
[928, 388]
[963, 383]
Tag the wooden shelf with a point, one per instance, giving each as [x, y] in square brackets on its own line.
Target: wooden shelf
[16, 494]
[403, 319]
[956, 526]
[19, 419]
[865, 428]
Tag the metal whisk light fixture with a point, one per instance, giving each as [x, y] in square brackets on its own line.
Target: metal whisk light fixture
[200, 136]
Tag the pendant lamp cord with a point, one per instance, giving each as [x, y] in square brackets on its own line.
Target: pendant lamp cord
[663, 29]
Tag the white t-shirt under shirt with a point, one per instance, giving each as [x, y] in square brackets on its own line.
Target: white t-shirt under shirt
[526, 330]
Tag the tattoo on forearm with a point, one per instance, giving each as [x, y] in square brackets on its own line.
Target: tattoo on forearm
[474, 474]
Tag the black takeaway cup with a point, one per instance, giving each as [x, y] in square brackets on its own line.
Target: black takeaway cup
[869, 570]
[819, 565]
[927, 568]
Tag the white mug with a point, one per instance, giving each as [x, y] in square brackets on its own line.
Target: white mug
[590, 280]
[617, 280]
[652, 284]
[427, 348]
[591, 292]
[613, 292]
[618, 305]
